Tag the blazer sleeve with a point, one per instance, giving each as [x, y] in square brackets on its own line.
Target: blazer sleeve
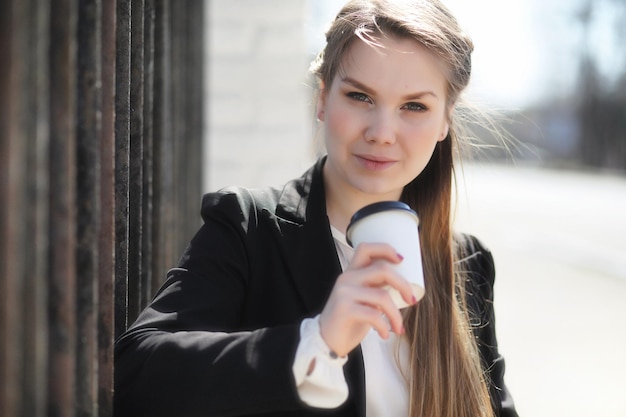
[189, 353]
[480, 269]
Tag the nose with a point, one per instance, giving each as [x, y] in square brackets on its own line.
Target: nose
[381, 128]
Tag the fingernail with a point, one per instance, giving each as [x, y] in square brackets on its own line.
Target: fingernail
[413, 299]
[400, 257]
[402, 330]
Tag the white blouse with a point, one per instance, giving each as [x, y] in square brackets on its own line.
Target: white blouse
[386, 364]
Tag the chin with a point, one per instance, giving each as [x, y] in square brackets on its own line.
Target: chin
[378, 190]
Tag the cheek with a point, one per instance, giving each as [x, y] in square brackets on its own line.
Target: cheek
[435, 128]
[339, 124]
[421, 140]
[424, 131]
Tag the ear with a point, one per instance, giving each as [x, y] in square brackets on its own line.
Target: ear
[321, 103]
[444, 132]
[446, 124]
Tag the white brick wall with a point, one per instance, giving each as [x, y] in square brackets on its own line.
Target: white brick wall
[259, 128]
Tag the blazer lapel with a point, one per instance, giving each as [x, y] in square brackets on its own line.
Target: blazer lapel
[307, 241]
[312, 258]
[313, 271]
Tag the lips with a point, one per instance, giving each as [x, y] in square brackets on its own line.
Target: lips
[375, 162]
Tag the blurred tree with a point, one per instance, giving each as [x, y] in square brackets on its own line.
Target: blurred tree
[602, 100]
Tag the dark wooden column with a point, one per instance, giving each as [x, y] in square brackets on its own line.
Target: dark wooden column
[100, 178]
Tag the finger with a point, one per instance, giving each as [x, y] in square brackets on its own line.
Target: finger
[366, 253]
[382, 273]
[374, 319]
[391, 314]
[397, 281]
[345, 326]
[352, 311]
[380, 301]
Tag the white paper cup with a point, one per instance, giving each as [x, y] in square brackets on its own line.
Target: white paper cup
[394, 223]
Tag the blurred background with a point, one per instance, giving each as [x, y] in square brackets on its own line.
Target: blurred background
[551, 206]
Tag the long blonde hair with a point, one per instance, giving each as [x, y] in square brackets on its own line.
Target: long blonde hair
[446, 378]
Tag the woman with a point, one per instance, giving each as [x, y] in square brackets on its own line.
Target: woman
[270, 312]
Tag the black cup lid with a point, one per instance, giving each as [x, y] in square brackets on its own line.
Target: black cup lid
[376, 208]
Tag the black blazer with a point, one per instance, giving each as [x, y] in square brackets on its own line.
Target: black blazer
[220, 336]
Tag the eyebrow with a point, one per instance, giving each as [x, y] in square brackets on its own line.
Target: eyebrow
[368, 90]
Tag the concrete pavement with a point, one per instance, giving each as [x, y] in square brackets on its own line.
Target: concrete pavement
[559, 240]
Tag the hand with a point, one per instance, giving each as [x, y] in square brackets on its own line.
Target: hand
[358, 301]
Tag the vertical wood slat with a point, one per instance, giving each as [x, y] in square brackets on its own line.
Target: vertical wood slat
[62, 270]
[194, 83]
[24, 328]
[186, 58]
[179, 70]
[106, 260]
[163, 139]
[135, 175]
[122, 161]
[89, 103]
[12, 236]
[176, 132]
[35, 303]
[6, 316]
[147, 158]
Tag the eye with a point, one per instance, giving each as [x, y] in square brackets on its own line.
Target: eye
[412, 106]
[354, 95]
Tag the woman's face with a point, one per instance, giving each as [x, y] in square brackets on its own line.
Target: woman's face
[383, 115]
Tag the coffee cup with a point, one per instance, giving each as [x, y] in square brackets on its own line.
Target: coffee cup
[396, 224]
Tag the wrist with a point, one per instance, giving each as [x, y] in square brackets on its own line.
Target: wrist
[331, 351]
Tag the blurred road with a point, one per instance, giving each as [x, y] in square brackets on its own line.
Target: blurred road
[559, 241]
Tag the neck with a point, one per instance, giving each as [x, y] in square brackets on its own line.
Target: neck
[340, 211]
